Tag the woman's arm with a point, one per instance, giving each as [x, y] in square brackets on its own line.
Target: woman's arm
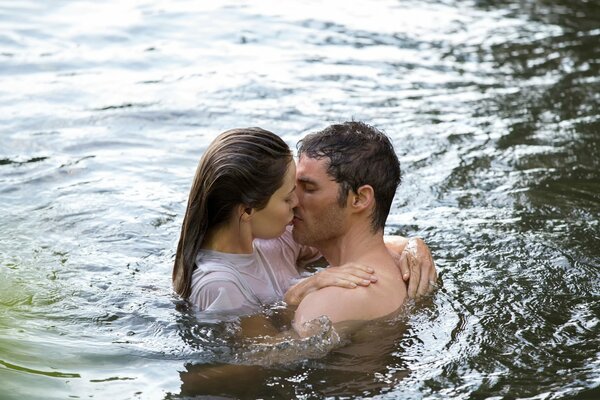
[412, 256]
[348, 276]
[414, 259]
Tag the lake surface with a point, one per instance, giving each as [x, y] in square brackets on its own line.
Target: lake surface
[494, 109]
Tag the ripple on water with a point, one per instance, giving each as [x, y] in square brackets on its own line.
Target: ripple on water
[492, 107]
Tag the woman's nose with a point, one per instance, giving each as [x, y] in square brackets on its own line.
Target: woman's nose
[294, 202]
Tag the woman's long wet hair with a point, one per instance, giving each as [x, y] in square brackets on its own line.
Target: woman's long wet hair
[240, 167]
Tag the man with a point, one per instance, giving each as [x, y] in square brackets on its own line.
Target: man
[346, 179]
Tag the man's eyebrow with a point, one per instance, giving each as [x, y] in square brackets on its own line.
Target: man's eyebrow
[304, 179]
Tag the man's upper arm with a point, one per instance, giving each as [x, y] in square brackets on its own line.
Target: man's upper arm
[337, 304]
[395, 243]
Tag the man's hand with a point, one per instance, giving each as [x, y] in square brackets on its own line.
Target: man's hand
[414, 259]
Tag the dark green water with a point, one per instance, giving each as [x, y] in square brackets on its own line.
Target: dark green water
[494, 109]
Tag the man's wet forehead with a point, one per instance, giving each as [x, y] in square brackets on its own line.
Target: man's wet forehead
[310, 169]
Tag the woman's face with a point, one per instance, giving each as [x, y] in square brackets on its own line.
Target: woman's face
[270, 222]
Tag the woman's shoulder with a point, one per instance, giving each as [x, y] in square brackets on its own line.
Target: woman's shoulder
[213, 270]
[218, 287]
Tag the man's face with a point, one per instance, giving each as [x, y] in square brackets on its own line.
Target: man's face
[318, 216]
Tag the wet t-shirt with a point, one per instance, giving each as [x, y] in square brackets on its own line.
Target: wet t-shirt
[243, 283]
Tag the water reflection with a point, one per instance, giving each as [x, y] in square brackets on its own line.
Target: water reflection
[493, 108]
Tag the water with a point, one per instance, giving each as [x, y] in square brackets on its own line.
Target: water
[105, 108]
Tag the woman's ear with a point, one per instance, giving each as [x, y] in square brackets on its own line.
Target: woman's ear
[363, 198]
[245, 212]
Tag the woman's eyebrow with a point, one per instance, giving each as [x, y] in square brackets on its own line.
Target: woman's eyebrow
[292, 191]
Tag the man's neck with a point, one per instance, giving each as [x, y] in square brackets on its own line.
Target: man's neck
[359, 243]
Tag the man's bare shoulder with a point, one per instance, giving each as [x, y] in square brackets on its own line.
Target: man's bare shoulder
[338, 304]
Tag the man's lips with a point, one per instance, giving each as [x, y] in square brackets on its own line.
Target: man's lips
[296, 219]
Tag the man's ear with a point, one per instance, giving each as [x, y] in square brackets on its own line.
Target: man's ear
[363, 198]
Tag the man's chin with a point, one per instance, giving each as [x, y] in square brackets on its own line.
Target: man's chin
[297, 235]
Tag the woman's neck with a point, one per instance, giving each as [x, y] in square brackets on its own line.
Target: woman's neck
[234, 238]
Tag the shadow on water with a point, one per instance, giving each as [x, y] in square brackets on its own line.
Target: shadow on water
[541, 272]
[553, 137]
[575, 16]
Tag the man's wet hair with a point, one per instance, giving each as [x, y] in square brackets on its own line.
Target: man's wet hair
[357, 154]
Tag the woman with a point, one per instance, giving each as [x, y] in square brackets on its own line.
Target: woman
[235, 252]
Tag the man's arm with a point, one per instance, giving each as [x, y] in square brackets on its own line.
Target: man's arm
[336, 303]
[414, 259]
